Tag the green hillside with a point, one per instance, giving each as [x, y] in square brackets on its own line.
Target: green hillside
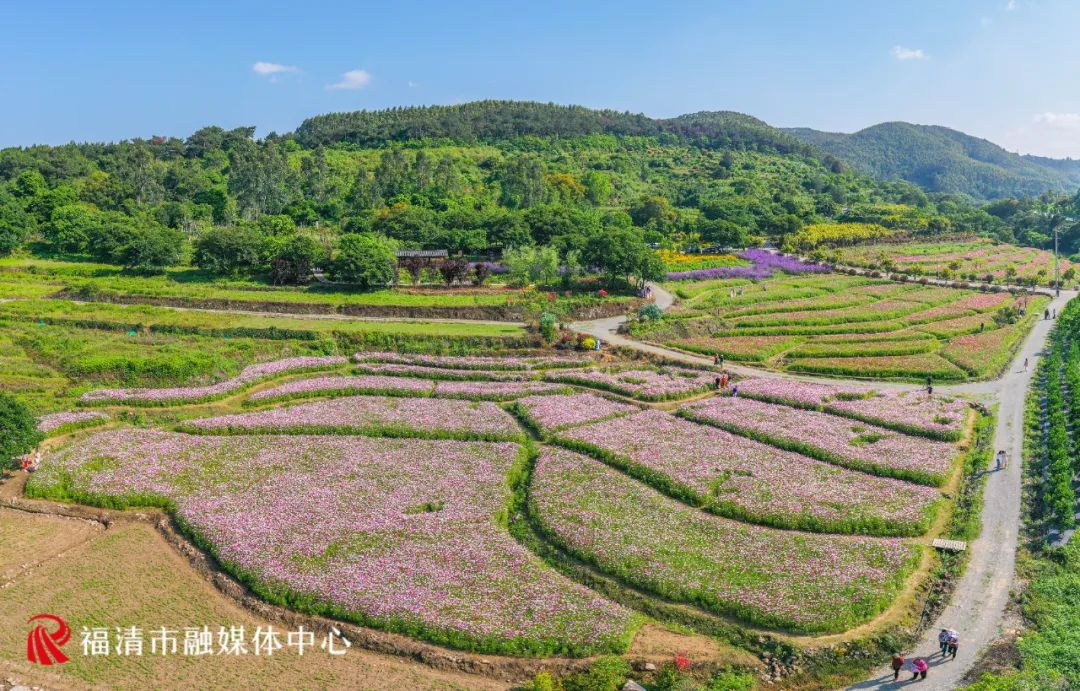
[940, 159]
[476, 178]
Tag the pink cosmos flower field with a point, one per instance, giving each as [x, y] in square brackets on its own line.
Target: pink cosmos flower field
[831, 438]
[912, 411]
[372, 414]
[800, 581]
[743, 478]
[185, 394]
[392, 533]
[644, 384]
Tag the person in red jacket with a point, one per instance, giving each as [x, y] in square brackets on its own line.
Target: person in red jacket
[918, 668]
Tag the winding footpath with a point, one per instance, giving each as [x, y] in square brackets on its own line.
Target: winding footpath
[980, 597]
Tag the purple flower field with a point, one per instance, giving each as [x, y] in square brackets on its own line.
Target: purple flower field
[397, 370]
[391, 503]
[833, 438]
[190, 394]
[909, 411]
[745, 479]
[799, 581]
[393, 533]
[552, 413]
[468, 362]
[643, 384]
[764, 264]
[372, 414]
[495, 390]
[328, 385]
[374, 384]
[53, 421]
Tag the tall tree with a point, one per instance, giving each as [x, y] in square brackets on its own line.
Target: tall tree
[316, 175]
[521, 180]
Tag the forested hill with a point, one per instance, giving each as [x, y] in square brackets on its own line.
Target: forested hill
[940, 159]
[501, 121]
[477, 178]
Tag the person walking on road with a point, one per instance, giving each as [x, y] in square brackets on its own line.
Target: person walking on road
[897, 665]
[1025, 364]
[918, 668]
[943, 641]
[929, 385]
[735, 391]
[954, 643]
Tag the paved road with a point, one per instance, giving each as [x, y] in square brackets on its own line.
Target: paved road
[979, 600]
[983, 592]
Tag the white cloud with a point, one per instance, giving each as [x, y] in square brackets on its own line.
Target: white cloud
[1064, 121]
[272, 69]
[1047, 134]
[353, 79]
[412, 84]
[1011, 5]
[902, 53]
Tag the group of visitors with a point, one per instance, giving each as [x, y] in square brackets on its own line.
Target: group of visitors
[722, 381]
[917, 666]
[31, 461]
[1001, 460]
[948, 641]
[1047, 314]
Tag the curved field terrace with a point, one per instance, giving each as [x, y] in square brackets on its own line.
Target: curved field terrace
[746, 479]
[830, 438]
[395, 533]
[848, 326]
[405, 502]
[783, 578]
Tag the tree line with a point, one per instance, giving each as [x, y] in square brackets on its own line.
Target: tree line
[477, 179]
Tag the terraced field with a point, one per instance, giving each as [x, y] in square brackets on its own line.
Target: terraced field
[24, 277]
[848, 326]
[976, 259]
[329, 505]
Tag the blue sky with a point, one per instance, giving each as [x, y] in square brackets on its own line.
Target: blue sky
[1007, 70]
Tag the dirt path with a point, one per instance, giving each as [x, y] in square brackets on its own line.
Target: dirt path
[978, 603]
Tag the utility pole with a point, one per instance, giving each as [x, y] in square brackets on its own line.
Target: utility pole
[1057, 283]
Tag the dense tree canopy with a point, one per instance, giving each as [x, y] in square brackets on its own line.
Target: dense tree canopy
[475, 179]
[18, 430]
[365, 261]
